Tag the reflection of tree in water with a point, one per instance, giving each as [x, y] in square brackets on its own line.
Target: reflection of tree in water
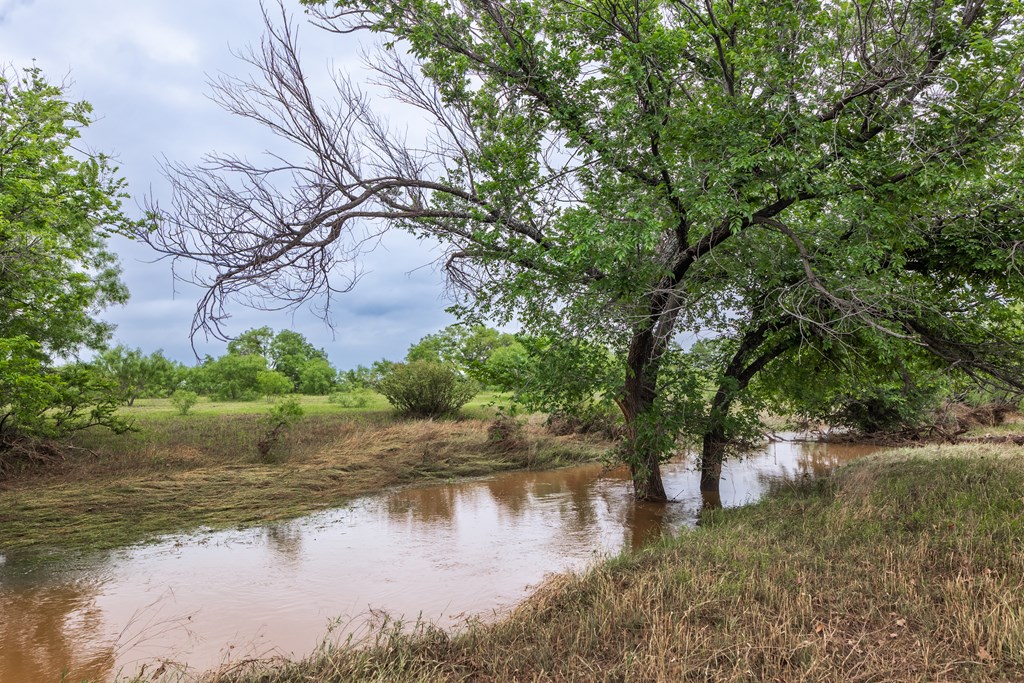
[430, 504]
[813, 460]
[285, 538]
[645, 523]
[49, 629]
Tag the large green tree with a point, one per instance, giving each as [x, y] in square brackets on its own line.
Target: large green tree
[793, 177]
[58, 205]
[289, 353]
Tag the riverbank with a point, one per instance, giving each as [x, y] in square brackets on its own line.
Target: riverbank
[179, 473]
[905, 566]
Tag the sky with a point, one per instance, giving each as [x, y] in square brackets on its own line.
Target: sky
[145, 66]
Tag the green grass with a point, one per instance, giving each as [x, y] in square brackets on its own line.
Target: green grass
[907, 566]
[182, 472]
[156, 408]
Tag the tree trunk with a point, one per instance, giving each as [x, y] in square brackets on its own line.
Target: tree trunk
[636, 403]
[711, 458]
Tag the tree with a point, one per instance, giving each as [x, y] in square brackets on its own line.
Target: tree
[464, 347]
[252, 342]
[139, 375]
[782, 177]
[273, 383]
[317, 377]
[57, 207]
[291, 352]
[231, 377]
[286, 352]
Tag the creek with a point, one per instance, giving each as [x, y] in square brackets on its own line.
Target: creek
[440, 553]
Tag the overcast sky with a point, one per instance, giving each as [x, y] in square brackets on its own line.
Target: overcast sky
[144, 66]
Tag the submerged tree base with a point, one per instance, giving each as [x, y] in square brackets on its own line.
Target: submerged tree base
[905, 566]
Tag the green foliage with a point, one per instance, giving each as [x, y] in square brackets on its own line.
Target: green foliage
[425, 389]
[57, 207]
[42, 402]
[152, 376]
[466, 348]
[291, 353]
[252, 342]
[316, 377]
[230, 377]
[359, 376]
[288, 353]
[183, 400]
[273, 383]
[282, 416]
[778, 176]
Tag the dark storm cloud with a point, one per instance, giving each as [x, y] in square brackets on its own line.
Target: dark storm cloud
[145, 68]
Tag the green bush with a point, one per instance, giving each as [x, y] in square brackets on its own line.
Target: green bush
[426, 389]
[183, 400]
[280, 419]
[273, 383]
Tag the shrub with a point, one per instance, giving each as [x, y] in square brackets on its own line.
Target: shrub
[426, 389]
[273, 383]
[183, 400]
[280, 418]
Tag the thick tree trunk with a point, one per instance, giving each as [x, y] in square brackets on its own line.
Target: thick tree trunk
[711, 458]
[636, 403]
[646, 474]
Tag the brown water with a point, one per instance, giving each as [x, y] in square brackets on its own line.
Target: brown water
[441, 552]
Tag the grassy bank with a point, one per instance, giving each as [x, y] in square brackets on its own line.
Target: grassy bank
[179, 473]
[905, 567]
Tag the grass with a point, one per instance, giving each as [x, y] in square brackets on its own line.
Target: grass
[179, 473]
[908, 566]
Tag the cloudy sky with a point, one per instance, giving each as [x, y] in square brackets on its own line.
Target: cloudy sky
[144, 66]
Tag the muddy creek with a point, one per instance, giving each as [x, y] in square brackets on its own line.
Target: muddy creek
[440, 553]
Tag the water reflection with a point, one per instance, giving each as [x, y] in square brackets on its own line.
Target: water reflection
[440, 552]
[48, 629]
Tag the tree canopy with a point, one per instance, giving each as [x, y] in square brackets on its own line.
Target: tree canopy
[837, 181]
[57, 207]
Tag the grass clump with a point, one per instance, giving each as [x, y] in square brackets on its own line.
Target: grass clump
[905, 567]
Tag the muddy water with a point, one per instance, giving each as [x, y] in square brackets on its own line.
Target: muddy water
[441, 552]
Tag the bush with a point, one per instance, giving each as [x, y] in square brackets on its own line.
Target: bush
[183, 400]
[273, 383]
[281, 417]
[426, 389]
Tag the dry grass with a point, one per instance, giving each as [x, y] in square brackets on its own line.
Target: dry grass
[906, 567]
[180, 473]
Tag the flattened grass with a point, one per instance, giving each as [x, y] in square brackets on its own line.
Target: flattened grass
[180, 473]
[908, 566]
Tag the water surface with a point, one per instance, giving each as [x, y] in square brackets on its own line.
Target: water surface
[441, 553]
